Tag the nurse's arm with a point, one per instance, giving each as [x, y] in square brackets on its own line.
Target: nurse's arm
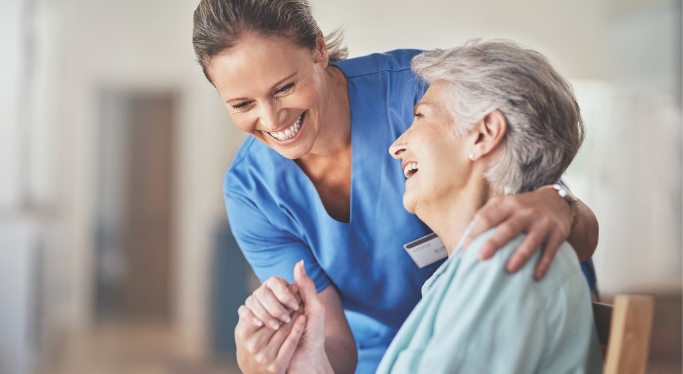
[340, 346]
[547, 220]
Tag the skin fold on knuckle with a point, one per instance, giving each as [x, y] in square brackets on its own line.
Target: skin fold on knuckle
[531, 213]
[510, 229]
[251, 347]
[240, 333]
[260, 358]
[483, 220]
[497, 202]
[261, 292]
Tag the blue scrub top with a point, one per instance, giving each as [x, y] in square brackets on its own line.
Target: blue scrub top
[278, 218]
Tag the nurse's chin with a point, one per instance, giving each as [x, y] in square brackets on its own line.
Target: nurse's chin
[294, 151]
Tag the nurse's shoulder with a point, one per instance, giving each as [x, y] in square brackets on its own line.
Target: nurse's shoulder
[391, 61]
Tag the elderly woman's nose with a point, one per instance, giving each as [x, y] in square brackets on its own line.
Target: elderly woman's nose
[398, 147]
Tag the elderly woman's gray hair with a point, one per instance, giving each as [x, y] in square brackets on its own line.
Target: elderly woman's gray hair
[544, 126]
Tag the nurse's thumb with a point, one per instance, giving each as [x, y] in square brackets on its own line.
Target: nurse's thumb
[307, 290]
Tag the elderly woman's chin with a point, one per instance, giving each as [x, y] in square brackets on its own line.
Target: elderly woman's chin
[409, 201]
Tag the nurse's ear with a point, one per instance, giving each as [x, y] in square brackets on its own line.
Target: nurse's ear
[487, 135]
[320, 53]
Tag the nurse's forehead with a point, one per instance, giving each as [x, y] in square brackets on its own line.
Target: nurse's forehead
[246, 70]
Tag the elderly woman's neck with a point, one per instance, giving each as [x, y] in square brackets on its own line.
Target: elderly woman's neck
[453, 215]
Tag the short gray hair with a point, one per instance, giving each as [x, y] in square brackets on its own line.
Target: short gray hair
[544, 126]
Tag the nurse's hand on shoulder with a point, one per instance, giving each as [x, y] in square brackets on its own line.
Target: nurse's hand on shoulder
[541, 214]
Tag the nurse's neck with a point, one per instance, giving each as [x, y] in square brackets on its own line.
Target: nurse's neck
[334, 137]
[453, 214]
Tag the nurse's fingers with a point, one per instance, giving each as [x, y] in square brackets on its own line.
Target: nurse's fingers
[290, 344]
[282, 292]
[550, 249]
[271, 304]
[495, 211]
[269, 353]
[531, 243]
[264, 353]
[295, 291]
[261, 313]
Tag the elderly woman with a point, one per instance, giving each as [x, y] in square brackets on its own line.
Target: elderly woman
[497, 119]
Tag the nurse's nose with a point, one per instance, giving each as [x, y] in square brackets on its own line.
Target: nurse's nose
[398, 147]
[269, 117]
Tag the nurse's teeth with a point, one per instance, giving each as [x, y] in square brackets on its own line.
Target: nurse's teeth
[410, 169]
[290, 131]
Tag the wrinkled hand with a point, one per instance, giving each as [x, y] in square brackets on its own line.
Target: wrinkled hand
[543, 215]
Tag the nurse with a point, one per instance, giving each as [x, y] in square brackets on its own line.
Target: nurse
[313, 182]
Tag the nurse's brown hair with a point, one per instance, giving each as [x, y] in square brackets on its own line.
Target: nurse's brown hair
[219, 25]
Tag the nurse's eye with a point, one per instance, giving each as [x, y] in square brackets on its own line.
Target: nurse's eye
[284, 89]
[417, 115]
[241, 105]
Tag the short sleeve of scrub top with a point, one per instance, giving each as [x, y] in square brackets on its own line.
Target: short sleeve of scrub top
[278, 219]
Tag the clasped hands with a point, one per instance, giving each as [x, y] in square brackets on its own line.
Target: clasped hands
[281, 328]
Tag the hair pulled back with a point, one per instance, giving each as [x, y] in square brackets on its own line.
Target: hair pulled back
[219, 24]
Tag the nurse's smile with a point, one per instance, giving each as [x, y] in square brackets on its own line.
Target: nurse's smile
[290, 134]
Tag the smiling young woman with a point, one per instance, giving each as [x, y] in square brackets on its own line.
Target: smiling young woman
[314, 182]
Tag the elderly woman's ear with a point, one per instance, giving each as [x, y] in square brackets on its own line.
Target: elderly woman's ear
[487, 134]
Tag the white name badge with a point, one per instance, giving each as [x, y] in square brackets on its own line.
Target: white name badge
[426, 250]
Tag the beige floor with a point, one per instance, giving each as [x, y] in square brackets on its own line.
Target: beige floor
[158, 349]
[131, 349]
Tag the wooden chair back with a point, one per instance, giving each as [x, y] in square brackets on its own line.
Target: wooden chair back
[625, 328]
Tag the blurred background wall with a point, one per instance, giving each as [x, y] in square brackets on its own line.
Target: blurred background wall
[113, 148]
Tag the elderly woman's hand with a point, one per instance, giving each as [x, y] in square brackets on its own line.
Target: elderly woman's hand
[543, 215]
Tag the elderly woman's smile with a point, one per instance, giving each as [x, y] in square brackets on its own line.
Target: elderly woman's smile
[432, 147]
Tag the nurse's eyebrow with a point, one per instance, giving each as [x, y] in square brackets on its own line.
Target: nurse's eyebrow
[273, 88]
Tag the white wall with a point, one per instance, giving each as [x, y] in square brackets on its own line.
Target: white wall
[571, 33]
[12, 75]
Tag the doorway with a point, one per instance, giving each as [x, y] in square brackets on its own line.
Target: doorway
[134, 205]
